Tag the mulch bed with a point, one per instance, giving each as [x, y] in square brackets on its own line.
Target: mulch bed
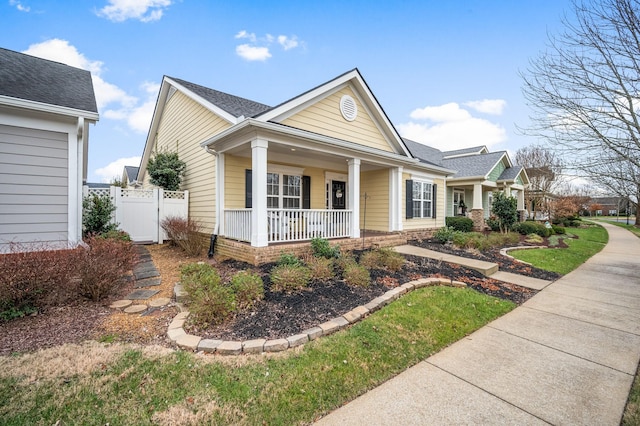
[279, 315]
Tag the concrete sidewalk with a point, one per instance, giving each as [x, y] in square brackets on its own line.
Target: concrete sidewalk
[566, 356]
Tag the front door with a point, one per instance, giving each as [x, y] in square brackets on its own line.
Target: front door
[338, 195]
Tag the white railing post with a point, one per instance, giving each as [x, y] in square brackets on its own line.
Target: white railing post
[115, 192]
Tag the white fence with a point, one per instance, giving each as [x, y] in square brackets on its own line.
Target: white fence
[139, 212]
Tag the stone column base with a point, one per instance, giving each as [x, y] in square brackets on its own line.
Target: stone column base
[477, 216]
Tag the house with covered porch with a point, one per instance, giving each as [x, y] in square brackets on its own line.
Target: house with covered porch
[327, 163]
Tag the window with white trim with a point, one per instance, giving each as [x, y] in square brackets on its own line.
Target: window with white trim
[284, 190]
[422, 201]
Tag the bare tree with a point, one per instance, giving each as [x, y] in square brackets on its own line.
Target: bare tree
[584, 91]
[544, 169]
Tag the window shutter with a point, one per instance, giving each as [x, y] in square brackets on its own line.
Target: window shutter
[306, 192]
[409, 199]
[247, 189]
[433, 201]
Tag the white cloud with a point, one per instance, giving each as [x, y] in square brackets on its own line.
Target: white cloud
[288, 42]
[488, 106]
[258, 48]
[253, 53]
[19, 6]
[113, 102]
[449, 127]
[115, 168]
[142, 10]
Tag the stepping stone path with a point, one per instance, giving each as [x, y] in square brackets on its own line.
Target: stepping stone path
[145, 275]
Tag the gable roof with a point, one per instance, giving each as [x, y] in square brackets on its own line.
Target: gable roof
[510, 173]
[234, 105]
[465, 151]
[131, 172]
[474, 165]
[424, 153]
[25, 77]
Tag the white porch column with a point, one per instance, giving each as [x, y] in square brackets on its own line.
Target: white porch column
[219, 159]
[395, 199]
[354, 196]
[507, 190]
[259, 237]
[477, 197]
[520, 199]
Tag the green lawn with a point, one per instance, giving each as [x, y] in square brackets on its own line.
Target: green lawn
[135, 387]
[562, 260]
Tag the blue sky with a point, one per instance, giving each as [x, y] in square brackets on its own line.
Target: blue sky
[445, 72]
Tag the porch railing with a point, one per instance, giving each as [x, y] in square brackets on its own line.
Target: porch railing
[285, 225]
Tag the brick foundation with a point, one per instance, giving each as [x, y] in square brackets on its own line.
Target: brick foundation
[477, 216]
[259, 255]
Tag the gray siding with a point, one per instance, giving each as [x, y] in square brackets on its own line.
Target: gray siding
[33, 185]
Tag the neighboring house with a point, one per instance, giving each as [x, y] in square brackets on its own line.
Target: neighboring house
[608, 206]
[130, 176]
[45, 111]
[309, 167]
[479, 173]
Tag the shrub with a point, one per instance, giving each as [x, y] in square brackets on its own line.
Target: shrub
[248, 289]
[526, 228]
[34, 277]
[96, 215]
[534, 239]
[116, 235]
[102, 266]
[322, 248]
[493, 223]
[558, 229]
[166, 170]
[289, 259]
[382, 258]
[459, 223]
[184, 233]
[505, 208]
[210, 302]
[289, 278]
[479, 241]
[356, 275]
[320, 268]
[445, 234]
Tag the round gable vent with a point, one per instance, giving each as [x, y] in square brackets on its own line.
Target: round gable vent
[348, 108]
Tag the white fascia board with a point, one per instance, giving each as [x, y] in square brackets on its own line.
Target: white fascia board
[49, 108]
[205, 103]
[153, 128]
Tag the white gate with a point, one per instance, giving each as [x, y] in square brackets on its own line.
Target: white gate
[139, 212]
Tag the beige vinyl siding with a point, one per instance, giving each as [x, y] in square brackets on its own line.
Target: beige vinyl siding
[376, 185]
[33, 185]
[324, 117]
[234, 181]
[184, 124]
[419, 223]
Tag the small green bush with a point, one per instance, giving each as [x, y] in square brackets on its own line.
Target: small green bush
[289, 259]
[459, 223]
[209, 301]
[534, 239]
[493, 223]
[559, 229]
[445, 234]
[322, 248]
[115, 234]
[290, 278]
[248, 288]
[479, 241]
[356, 275]
[526, 228]
[320, 268]
[96, 215]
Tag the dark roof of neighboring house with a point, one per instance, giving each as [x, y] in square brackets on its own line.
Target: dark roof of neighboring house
[40, 80]
[464, 151]
[611, 201]
[95, 185]
[510, 173]
[473, 165]
[132, 173]
[234, 105]
[424, 153]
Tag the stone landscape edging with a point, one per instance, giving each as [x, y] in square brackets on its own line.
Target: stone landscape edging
[505, 252]
[182, 339]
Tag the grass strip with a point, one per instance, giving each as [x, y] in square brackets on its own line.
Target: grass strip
[292, 388]
[590, 241]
